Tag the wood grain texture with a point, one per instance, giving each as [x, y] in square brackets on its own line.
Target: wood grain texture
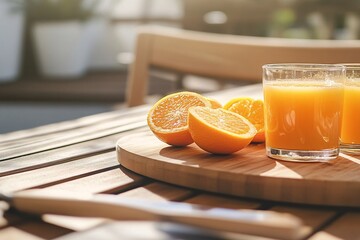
[77, 136]
[213, 200]
[109, 181]
[223, 56]
[313, 218]
[59, 155]
[33, 230]
[42, 131]
[42, 230]
[52, 175]
[159, 192]
[346, 227]
[248, 173]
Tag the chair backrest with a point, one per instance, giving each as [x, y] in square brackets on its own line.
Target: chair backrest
[224, 56]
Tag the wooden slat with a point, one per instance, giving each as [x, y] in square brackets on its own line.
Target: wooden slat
[159, 191]
[110, 181]
[72, 124]
[13, 233]
[33, 230]
[37, 228]
[61, 155]
[56, 156]
[313, 217]
[59, 173]
[215, 200]
[345, 227]
[78, 130]
[68, 139]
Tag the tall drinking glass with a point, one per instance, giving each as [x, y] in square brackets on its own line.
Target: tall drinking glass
[303, 106]
[350, 130]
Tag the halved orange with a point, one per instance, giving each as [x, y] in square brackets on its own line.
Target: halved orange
[218, 130]
[168, 117]
[251, 109]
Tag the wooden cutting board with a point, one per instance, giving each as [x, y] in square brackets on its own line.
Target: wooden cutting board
[247, 173]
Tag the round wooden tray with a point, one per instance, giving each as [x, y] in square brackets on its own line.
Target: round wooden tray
[247, 173]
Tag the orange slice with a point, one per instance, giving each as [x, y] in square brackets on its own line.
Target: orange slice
[251, 109]
[168, 117]
[219, 131]
[214, 103]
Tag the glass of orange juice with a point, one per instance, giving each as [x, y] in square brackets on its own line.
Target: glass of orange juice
[350, 129]
[303, 107]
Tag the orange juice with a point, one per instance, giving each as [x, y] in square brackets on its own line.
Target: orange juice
[303, 115]
[350, 130]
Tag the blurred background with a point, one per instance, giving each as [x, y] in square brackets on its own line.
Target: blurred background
[64, 59]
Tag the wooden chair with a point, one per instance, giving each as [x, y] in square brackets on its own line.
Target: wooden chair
[224, 56]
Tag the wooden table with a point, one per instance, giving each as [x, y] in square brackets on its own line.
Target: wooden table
[80, 156]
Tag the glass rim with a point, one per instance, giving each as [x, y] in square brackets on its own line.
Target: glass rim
[304, 66]
[351, 66]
